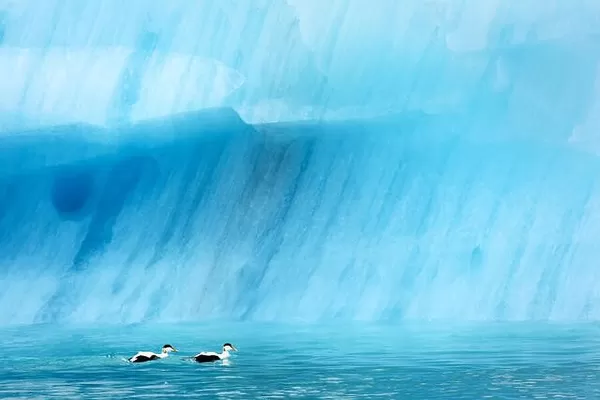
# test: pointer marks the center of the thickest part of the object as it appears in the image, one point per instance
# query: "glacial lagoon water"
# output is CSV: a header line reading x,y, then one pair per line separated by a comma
x,y
301,361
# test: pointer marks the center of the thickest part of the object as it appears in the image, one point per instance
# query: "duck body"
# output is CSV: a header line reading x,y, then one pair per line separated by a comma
x,y
211,356
208,356
145,356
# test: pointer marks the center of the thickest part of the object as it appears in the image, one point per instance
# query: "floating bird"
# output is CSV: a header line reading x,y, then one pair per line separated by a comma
x,y
210,356
143,356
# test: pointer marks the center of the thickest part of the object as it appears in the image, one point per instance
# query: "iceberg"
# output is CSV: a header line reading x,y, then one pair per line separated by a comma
x,y
299,160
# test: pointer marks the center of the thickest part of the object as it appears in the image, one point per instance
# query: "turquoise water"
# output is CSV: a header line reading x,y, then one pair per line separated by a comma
x,y
497,361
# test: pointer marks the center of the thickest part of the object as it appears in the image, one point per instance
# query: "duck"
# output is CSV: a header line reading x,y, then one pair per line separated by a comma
x,y
144,356
210,356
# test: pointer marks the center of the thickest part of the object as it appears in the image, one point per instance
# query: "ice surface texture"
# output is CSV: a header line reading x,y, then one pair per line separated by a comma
x,y
272,60
205,216
447,167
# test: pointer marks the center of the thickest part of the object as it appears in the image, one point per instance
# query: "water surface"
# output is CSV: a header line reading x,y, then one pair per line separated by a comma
x,y
499,361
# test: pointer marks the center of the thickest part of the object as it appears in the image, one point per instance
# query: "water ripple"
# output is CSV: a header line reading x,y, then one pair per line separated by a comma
x,y
285,362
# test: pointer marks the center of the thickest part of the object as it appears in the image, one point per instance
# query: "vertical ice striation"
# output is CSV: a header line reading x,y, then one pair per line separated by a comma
x,y
275,60
446,166
204,216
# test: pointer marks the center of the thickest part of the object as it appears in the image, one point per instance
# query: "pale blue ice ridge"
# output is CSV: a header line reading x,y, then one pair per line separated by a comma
x,y
446,167
273,60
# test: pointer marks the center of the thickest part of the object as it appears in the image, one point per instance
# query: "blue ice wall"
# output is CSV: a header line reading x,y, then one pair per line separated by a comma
x,y
204,216
446,167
